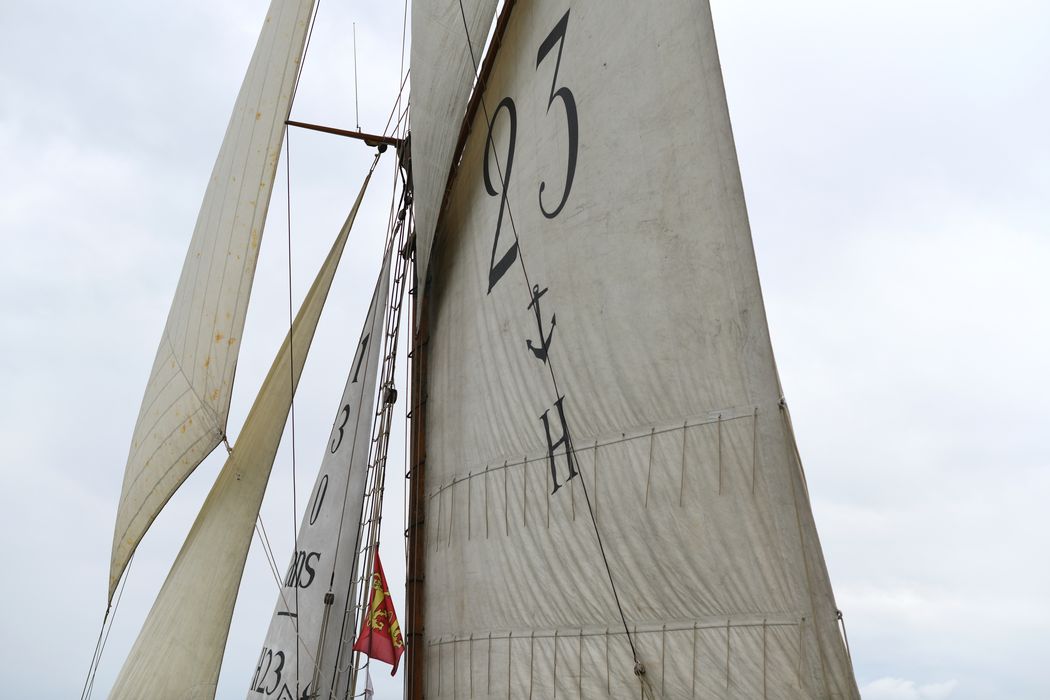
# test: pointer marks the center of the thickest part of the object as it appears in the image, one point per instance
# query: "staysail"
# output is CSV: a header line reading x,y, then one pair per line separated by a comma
x,y
187,399
598,363
180,647
318,586
442,74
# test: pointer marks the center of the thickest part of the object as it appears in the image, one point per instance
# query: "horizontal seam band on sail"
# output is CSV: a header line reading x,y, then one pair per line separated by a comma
x,y
189,379
182,424
709,624
147,407
138,511
635,433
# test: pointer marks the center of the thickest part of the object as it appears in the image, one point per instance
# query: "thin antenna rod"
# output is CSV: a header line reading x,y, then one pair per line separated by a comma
x,y
357,113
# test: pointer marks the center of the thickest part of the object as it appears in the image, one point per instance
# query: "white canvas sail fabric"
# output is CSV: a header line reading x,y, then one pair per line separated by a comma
x,y
442,75
322,569
633,284
179,650
187,399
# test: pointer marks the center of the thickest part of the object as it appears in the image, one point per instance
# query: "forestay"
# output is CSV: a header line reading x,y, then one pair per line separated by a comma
x,y
442,76
598,346
187,399
317,595
180,647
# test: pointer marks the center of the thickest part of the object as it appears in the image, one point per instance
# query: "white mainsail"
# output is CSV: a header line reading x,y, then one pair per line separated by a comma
x,y
442,75
187,399
179,650
599,361
318,586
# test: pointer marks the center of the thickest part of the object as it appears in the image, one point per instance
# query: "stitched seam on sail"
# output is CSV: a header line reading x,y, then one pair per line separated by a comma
x,y
146,408
644,433
236,202
168,471
713,622
164,442
224,198
259,206
189,382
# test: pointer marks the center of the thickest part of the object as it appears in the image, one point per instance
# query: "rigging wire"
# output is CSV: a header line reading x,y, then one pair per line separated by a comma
x,y
372,516
409,258
96,654
291,380
394,108
639,669
353,444
291,329
404,34
401,114
260,530
291,336
271,560
268,550
103,635
401,71
411,316
105,639
387,249
306,50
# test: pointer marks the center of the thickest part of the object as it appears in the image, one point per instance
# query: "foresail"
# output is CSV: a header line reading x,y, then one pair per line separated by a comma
x,y
180,647
187,399
443,65
318,590
598,362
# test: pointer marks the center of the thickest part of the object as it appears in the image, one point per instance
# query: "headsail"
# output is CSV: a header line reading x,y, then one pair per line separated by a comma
x,y
323,568
442,74
187,399
180,647
599,363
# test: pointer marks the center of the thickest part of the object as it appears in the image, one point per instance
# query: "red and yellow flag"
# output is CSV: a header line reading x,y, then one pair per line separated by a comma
x,y
380,636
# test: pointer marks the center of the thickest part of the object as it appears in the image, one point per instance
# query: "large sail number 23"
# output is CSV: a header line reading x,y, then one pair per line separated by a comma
x,y
555,38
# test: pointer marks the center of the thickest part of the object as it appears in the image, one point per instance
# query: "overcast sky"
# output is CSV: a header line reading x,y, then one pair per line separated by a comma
x,y
896,162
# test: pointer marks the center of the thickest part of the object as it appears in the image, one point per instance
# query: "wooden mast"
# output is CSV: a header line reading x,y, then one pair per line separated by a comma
x,y
415,628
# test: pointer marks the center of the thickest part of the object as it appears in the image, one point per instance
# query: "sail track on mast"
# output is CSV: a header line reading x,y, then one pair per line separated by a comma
x,y
179,650
186,402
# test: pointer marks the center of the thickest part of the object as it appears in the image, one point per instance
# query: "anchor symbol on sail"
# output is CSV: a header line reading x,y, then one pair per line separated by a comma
x,y
541,351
